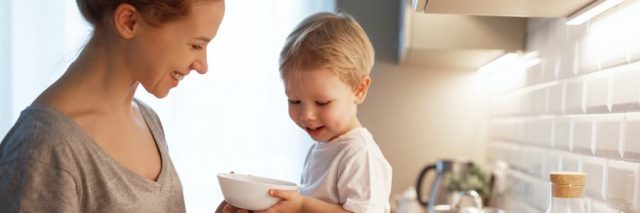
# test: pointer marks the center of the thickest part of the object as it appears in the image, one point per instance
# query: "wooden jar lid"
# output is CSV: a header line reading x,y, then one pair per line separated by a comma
x,y
568,178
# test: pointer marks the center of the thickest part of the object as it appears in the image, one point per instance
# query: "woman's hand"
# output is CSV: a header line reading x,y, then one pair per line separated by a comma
x,y
228,208
291,202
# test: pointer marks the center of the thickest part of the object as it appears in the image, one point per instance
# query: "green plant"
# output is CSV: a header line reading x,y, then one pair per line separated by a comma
x,y
472,179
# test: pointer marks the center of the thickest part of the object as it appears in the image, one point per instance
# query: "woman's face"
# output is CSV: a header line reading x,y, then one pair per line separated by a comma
x,y
161,56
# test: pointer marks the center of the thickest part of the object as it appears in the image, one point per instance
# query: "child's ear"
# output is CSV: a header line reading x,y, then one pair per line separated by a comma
x,y
361,90
125,20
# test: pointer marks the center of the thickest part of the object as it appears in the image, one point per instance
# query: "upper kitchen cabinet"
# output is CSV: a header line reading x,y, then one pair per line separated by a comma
x,y
462,34
511,8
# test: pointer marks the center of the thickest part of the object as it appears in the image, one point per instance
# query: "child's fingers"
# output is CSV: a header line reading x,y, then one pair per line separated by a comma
x,y
283,194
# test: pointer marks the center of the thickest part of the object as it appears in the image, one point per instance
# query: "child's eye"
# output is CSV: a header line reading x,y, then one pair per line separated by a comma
x,y
196,47
293,101
323,103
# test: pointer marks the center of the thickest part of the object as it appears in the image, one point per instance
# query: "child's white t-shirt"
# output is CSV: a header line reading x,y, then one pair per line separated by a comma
x,y
349,170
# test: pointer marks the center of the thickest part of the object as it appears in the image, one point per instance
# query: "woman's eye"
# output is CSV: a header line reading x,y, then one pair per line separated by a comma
x,y
294,101
196,47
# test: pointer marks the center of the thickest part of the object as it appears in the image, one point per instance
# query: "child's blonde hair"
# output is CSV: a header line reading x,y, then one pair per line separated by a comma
x,y
330,40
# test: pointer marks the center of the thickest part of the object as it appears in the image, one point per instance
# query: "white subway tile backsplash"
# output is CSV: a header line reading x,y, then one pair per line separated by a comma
x,y
609,135
548,66
573,97
541,194
631,11
526,104
568,60
556,99
594,167
622,184
588,58
539,101
551,163
570,162
597,95
515,156
553,66
518,130
582,136
578,110
534,74
538,131
626,89
631,147
561,62
563,130
612,51
535,166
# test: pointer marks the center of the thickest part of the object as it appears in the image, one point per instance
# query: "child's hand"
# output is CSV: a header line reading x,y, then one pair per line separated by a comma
x,y
291,201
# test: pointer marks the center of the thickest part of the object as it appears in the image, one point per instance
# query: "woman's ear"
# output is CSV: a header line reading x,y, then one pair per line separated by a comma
x,y
361,90
125,20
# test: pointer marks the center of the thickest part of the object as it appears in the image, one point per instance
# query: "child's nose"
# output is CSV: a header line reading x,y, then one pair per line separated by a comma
x,y
307,115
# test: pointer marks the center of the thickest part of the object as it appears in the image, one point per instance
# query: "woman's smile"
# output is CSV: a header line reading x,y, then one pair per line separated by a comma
x,y
177,77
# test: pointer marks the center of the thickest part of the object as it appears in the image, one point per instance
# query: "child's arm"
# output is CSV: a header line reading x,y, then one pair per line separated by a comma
x,y
312,204
292,201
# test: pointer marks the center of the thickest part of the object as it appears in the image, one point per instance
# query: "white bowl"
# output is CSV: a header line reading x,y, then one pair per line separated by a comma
x,y
251,192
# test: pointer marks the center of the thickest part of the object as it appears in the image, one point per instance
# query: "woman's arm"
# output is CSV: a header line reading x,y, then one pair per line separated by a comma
x,y
225,207
221,207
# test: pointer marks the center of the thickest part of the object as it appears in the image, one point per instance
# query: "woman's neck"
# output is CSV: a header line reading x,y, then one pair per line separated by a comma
x,y
98,81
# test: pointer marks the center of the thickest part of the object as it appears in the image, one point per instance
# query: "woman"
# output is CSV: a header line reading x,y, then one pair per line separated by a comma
x,y
85,144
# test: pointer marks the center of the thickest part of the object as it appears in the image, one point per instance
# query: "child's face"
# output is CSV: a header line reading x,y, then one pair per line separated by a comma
x,y
322,104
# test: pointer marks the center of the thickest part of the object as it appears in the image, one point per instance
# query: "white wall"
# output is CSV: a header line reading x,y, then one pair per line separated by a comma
x,y
5,59
39,39
578,110
418,116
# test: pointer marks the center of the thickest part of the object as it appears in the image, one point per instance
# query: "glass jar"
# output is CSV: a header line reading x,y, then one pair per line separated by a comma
x,y
567,192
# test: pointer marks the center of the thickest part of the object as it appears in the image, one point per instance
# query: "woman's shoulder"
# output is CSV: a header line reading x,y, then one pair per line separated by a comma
x,y
42,122
39,131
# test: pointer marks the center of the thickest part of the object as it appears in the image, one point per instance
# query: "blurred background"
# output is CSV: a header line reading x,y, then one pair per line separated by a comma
x,y
517,88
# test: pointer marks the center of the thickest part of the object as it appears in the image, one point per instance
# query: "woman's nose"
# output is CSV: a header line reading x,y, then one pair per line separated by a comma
x,y
200,65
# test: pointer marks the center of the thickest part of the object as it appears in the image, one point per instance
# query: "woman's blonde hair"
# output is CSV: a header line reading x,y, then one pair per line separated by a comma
x,y
335,41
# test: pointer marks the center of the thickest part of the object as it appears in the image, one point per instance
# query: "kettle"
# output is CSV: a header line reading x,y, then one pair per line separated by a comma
x,y
438,200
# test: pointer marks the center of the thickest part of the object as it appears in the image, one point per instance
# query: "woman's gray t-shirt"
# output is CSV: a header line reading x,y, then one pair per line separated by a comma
x,y
48,164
